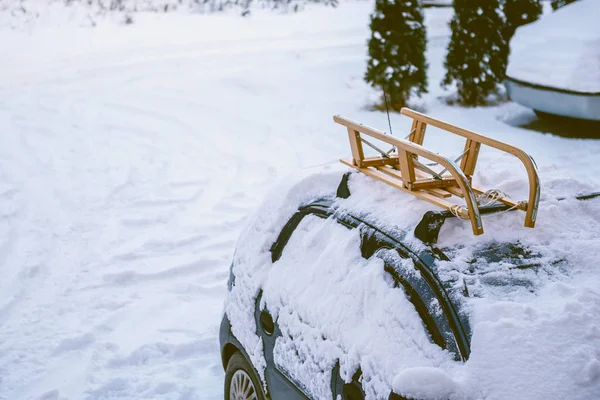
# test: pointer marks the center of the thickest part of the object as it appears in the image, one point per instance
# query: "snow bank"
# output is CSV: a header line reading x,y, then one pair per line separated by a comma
x,y
561,50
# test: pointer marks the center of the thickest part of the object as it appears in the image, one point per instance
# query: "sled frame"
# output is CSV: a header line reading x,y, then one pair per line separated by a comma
x,y
402,169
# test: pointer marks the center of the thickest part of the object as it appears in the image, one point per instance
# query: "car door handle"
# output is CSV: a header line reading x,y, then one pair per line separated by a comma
x,y
266,323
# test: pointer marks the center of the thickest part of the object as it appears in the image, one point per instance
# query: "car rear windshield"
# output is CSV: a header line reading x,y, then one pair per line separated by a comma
x,y
498,268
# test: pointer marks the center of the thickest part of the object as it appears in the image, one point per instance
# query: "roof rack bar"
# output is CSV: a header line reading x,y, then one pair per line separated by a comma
x,y
402,169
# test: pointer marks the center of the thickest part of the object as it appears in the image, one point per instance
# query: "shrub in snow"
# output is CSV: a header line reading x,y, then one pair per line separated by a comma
x,y
556,4
476,58
520,12
396,62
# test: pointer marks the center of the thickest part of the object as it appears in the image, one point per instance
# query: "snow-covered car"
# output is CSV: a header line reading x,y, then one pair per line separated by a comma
x,y
348,286
340,290
554,63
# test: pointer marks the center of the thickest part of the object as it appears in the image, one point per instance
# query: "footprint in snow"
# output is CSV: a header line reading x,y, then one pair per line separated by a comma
x,y
74,343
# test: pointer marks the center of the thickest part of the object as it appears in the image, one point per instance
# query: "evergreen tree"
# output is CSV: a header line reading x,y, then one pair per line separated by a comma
x,y
556,4
396,62
477,53
520,12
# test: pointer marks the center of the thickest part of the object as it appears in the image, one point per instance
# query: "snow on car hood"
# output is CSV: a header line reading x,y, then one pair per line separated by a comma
x,y
561,50
533,341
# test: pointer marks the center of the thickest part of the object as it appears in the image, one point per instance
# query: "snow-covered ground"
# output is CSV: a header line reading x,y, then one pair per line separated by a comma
x,y
130,158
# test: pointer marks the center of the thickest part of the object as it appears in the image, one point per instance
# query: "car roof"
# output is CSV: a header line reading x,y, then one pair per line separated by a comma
x,y
496,266
486,258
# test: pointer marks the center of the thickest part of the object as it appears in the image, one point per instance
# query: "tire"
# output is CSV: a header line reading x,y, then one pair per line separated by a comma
x,y
241,375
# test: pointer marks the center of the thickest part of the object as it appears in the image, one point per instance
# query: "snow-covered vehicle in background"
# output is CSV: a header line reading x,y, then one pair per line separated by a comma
x,y
344,287
437,3
554,63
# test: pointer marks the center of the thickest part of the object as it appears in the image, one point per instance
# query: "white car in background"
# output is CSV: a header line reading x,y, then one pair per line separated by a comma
x,y
437,3
554,63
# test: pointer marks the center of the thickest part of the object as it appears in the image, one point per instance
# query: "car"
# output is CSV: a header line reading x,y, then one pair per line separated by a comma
x,y
344,287
554,63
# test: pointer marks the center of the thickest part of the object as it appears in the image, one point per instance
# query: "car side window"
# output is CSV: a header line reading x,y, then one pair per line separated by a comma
x,y
400,267
432,309
412,293
285,234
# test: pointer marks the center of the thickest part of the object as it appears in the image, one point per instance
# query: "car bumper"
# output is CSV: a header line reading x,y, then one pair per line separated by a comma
x,y
554,101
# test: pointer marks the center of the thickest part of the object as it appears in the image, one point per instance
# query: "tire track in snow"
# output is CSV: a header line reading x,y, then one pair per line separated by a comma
x,y
140,167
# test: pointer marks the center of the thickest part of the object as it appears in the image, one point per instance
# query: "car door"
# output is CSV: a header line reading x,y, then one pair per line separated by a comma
x,y
279,384
280,348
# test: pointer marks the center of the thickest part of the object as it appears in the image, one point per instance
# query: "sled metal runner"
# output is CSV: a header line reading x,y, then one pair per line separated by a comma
x,y
402,169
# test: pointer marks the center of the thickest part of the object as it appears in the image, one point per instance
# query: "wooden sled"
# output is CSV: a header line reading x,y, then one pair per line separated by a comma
x,y
401,168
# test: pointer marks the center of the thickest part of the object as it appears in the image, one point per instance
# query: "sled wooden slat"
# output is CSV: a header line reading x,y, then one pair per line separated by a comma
x,y
403,170
407,167
379,161
433,183
439,193
433,189
355,144
382,176
419,135
468,162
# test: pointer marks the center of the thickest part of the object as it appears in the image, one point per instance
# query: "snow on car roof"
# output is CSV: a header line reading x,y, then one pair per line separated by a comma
x,y
561,50
530,257
523,336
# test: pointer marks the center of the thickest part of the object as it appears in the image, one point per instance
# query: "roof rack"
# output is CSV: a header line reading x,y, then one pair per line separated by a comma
x,y
400,167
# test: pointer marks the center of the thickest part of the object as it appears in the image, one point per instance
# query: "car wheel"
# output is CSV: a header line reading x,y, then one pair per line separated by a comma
x,y
241,381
